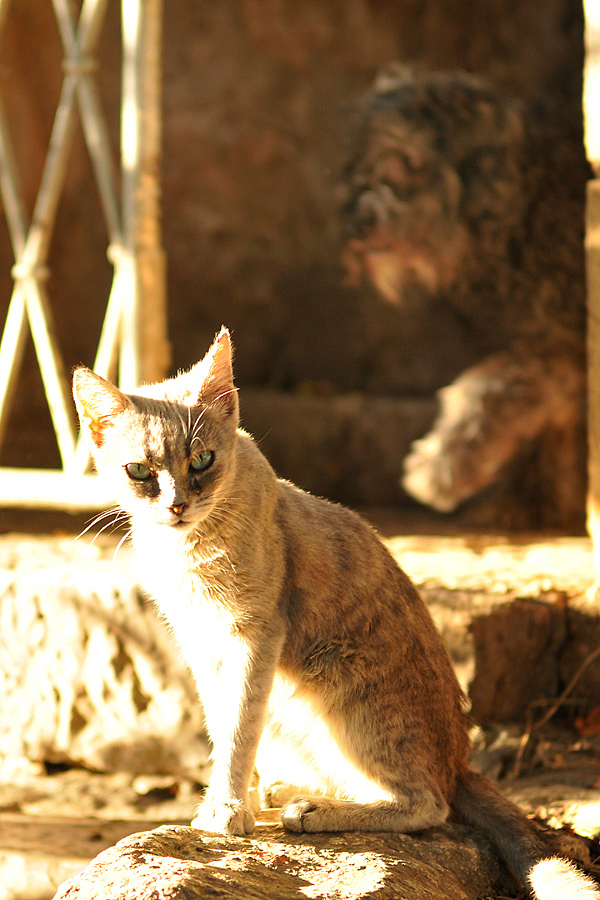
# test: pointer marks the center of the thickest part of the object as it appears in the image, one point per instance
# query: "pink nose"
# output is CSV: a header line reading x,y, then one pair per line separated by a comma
x,y
177,508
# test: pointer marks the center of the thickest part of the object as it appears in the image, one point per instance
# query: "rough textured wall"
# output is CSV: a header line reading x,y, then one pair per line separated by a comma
x,y
258,101
258,110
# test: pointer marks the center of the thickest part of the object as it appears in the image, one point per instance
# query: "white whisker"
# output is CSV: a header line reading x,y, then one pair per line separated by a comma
x,y
183,425
224,512
200,416
232,390
121,542
197,425
116,514
115,523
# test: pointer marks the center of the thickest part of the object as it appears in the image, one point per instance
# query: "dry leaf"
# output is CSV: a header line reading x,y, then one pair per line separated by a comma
x,y
589,725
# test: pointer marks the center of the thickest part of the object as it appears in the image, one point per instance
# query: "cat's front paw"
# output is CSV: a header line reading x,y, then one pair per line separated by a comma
x,y
232,817
310,814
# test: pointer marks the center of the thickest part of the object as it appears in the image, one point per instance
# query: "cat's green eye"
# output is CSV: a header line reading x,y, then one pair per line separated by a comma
x,y
202,461
138,471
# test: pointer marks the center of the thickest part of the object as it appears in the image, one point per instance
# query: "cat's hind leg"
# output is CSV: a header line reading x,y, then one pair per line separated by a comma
x,y
299,756
410,811
304,769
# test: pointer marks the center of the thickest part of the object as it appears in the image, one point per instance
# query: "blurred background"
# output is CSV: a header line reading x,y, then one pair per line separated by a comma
x,y
274,194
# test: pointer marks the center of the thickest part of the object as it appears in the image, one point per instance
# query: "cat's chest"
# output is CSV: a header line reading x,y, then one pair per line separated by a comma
x,y
168,565
200,625
196,593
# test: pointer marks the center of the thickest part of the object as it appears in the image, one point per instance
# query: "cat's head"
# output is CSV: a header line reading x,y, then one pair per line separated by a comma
x,y
168,450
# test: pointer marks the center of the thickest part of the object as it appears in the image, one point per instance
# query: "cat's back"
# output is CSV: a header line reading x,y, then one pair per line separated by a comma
x,y
335,559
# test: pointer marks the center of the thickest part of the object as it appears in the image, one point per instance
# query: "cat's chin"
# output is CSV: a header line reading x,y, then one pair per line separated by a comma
x,y
182,525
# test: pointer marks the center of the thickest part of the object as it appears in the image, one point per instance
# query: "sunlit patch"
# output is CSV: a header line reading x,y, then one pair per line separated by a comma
x,y
299,748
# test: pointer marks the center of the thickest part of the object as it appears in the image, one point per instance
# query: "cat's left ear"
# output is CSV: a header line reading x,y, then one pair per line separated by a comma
x,y
211,380
98,402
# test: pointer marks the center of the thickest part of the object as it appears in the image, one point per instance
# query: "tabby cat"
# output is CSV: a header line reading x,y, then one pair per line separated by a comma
x,y
315,657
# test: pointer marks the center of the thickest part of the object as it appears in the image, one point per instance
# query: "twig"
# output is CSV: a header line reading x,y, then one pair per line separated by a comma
x,y
531,727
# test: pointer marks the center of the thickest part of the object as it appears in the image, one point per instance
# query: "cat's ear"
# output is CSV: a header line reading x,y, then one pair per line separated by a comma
x,y
210,381
98,402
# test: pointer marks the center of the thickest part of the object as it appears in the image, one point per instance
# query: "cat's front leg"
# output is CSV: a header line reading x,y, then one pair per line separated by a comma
x,y
235,698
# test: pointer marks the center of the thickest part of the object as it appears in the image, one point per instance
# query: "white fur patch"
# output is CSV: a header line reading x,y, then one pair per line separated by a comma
x,y
557,879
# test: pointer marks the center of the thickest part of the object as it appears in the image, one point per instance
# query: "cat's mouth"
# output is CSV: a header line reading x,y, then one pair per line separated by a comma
x,y
186,520
183,523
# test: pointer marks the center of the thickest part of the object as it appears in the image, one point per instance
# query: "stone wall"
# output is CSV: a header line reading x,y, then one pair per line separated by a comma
x,y
258,110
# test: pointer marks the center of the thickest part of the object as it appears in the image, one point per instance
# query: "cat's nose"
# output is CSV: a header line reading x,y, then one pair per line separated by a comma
x,y
178,508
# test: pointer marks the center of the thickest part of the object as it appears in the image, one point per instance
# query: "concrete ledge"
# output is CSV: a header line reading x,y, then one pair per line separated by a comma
x,y
348,448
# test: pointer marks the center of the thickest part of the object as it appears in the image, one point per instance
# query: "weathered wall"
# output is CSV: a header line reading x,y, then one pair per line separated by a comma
x,y
258,100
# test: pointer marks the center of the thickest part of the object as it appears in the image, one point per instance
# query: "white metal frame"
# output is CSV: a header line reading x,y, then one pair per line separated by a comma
x,y
134,248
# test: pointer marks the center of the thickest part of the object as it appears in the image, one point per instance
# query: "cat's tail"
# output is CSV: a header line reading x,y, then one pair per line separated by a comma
x,y
518,842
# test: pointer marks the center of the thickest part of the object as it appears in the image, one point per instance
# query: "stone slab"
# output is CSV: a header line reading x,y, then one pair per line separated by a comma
x,y
185,864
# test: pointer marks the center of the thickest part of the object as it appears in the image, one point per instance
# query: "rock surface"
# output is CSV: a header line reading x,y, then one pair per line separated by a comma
x,y
185,864
38,853
88,673
52,826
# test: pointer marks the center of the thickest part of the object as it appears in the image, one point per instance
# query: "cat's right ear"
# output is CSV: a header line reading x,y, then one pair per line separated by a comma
x,y
98,402
210,381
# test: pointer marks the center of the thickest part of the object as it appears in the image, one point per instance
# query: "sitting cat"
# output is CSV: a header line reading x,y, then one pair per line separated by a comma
x,y
312,650
477,201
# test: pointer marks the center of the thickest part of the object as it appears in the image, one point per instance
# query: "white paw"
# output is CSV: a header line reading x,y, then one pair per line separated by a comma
x,y
232,817
310,815
279,794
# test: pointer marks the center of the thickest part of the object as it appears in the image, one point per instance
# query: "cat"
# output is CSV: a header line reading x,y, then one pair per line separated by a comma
x,y
312,650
